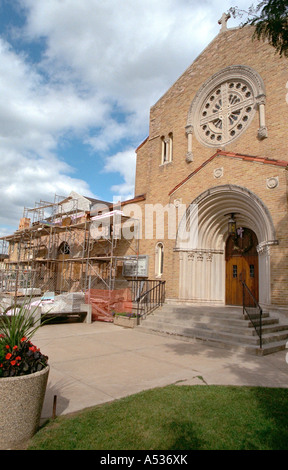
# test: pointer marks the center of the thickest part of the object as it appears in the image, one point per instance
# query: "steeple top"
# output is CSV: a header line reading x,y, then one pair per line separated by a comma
x,y
223,21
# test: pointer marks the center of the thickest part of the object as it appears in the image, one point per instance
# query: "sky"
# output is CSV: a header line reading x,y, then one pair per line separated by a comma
x,y
77,80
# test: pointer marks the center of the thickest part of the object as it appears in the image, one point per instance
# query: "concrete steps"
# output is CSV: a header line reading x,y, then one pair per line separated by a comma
x,y
224,327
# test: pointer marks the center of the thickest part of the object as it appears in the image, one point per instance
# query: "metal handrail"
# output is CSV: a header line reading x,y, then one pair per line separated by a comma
x,y
255,307
151,298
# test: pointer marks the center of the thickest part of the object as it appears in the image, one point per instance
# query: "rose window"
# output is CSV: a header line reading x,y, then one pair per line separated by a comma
x,y
225,112
224,107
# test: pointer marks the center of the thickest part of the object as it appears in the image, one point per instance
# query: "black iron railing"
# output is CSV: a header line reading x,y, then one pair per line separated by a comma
x,y
253,310
147,295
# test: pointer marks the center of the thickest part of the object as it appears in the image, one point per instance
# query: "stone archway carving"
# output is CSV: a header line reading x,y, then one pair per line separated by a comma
x,y
202,267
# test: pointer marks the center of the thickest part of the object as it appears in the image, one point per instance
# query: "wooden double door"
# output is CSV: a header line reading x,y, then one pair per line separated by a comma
x,y
241,264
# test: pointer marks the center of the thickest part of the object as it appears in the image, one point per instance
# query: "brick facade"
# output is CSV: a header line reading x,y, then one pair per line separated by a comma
x,y
184,181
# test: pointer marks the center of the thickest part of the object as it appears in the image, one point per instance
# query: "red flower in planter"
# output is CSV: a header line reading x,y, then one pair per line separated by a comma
x,y
19,356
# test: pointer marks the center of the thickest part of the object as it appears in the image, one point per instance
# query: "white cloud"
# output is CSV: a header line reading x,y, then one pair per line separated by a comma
x,y
127,52
123,163
32,117
31,108
32,180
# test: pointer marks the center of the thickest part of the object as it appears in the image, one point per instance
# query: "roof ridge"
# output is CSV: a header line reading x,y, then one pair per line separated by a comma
x,y
225,153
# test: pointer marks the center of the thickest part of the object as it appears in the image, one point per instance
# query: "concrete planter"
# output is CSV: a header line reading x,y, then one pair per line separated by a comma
x,y
20,407
127,322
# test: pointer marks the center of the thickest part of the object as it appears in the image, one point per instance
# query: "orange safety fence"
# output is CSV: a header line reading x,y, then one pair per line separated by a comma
x,y
105,303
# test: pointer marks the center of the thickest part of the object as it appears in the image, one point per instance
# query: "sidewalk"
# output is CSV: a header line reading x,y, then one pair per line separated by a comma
x,y
95,363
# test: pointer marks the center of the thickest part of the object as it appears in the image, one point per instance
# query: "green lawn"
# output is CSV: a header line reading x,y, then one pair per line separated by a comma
x,y
176,418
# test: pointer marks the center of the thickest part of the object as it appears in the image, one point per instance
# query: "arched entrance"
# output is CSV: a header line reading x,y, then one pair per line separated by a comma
x,y
202,267
241,265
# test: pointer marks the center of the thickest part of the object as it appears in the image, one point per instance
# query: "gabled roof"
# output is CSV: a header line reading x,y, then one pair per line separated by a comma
x,y
141,145
222,153
96,201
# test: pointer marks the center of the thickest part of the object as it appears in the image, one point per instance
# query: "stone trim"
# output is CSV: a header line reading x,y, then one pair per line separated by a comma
x,y
222,153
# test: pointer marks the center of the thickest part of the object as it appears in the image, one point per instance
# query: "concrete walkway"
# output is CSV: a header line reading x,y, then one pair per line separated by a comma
x,y
100,362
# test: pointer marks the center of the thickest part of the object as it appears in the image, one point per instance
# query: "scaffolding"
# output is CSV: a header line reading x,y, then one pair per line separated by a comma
x,y
65,249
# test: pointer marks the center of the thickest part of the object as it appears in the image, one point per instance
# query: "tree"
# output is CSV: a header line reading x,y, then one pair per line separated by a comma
x,y
270,19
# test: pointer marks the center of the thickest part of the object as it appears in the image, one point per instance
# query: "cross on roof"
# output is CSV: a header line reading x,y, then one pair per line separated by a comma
x,y
223,21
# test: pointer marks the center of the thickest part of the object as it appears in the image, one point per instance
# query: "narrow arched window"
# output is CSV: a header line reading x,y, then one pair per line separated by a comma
x,y
167,149
64,249
159,259
170,136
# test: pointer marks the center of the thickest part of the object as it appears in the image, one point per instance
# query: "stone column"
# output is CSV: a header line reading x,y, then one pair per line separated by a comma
x,y
189,154
262,131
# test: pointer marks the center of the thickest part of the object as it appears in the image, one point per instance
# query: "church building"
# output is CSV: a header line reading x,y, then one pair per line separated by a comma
x,y
218,144
207,228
